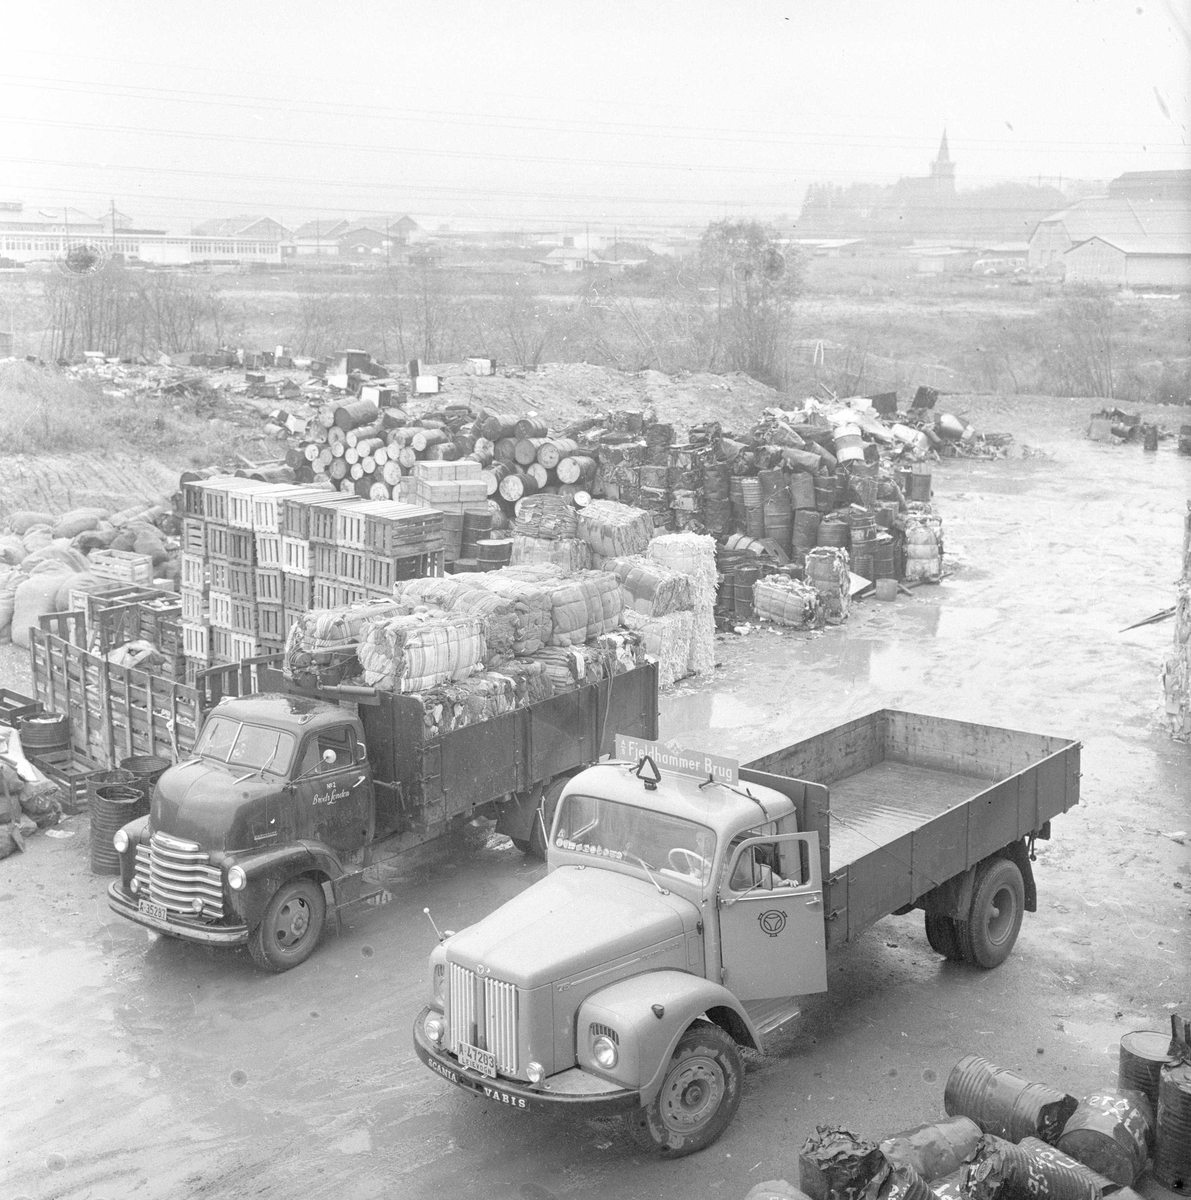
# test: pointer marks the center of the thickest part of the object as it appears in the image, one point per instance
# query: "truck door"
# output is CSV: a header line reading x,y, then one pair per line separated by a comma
x,y
333,790
771,918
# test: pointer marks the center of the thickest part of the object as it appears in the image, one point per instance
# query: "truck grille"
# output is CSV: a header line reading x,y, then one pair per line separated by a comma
x,y
176,873
484,1013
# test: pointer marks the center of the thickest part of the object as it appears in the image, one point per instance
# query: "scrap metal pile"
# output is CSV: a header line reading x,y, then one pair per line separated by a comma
x,y
1009,1138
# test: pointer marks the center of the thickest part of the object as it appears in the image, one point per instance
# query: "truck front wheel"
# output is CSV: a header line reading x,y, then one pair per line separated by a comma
x,y
998,903
699,1096
291,926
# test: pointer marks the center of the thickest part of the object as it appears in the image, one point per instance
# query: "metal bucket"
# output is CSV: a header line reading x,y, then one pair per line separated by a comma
x,y
1143,1054
147,769
1005,1103
113,806
1110,1132
1172,1159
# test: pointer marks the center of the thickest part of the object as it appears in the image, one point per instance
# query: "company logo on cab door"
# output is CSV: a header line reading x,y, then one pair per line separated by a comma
x,y
331,796
772,921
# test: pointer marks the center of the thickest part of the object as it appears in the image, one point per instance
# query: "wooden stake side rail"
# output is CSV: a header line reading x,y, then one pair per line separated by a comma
x,y
115,712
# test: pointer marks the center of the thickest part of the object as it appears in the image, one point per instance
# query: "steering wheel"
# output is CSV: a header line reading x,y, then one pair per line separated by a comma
x,y
686,862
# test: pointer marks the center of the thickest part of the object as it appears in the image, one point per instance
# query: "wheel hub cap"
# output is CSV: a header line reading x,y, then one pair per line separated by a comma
x,y
692,1094
292,923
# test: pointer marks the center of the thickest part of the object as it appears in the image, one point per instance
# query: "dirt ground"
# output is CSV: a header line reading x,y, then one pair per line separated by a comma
x,y
146,1068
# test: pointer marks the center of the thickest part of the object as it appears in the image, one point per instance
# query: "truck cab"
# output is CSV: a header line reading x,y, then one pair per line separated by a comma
x,y
675,912
276,801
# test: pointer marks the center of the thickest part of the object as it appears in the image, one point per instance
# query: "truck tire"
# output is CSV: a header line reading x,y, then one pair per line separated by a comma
x,y
291,926
943,936
699,1096
994,920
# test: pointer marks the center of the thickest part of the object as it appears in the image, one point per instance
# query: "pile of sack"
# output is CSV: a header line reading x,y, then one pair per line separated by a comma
x,y
28,800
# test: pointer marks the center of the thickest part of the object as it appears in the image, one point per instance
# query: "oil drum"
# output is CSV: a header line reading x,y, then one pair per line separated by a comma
x,y
1172,1158
1110,1132
1143,1054
1005,1103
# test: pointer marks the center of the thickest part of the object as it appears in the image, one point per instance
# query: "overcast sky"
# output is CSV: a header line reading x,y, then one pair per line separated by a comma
x,y
528,113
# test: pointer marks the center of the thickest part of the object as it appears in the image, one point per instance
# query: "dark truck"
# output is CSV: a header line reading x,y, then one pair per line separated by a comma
x,y
689,902
288,800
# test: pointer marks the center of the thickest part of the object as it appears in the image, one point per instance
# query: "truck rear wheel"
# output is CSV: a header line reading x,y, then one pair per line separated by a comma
x,y
994,921
291,926
699,1096
943,936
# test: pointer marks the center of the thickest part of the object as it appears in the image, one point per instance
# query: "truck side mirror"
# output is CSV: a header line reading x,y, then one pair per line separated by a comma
x,y
329,757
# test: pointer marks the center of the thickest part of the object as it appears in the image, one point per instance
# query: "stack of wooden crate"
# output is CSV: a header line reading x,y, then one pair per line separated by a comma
x,y
453,488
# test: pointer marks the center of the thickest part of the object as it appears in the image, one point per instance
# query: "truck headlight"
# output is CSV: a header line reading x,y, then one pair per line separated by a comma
x,y
120,841
435,1028
236,878
535,1072
603,1050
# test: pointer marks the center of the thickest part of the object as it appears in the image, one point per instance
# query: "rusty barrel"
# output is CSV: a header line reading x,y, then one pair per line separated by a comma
x,y
825,493
1110,1132
801,487
113,806
1172,1158
1143,1054
1034,1169
834,1164
805,530
146,770
744,576
1005,1103
934,1150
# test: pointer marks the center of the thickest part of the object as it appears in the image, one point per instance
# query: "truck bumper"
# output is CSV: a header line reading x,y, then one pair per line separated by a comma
x,y
119,901
558,1091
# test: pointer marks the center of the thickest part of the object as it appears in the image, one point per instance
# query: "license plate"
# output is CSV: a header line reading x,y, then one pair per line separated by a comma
x,y
483,1061
153,910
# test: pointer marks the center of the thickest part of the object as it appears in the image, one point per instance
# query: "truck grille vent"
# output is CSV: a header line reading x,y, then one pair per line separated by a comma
x,y
484,1013
598,1030
176,873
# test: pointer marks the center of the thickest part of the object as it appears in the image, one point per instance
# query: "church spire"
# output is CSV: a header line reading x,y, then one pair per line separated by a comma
x,y
944,154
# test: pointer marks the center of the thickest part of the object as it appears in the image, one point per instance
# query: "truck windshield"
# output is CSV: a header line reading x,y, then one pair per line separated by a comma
x,y
254,747
625,833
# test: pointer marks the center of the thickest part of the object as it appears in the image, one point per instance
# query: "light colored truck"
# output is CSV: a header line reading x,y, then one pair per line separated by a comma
x,y
688,903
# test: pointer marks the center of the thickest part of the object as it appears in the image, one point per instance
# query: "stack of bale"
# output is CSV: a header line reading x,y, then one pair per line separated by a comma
x,y
693,555
658,606
785,601
547,531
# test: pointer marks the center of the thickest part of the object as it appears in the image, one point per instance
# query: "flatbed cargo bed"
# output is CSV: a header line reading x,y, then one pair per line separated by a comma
x,y
903,802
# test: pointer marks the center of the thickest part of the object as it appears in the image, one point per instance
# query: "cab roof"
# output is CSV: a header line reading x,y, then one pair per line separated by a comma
x,y
724,809
300,713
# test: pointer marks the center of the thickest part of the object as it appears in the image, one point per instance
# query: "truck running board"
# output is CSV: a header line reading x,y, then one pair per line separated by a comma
x,y
770,1015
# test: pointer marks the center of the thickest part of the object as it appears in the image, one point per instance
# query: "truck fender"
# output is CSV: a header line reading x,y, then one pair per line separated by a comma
x,y
631,1008
1016,852
269,869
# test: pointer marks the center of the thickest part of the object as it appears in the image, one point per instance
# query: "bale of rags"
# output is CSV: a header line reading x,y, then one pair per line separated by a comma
x,y
498,616
623,650
547,515
411,653
530,679
564,665
570,554
666,639
614,529
650,588
451,706
827,572
530,608
785,601
322,642
693,554
584,607
432,592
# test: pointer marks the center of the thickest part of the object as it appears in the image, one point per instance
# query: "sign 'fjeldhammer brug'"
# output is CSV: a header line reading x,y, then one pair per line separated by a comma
x,y
681,762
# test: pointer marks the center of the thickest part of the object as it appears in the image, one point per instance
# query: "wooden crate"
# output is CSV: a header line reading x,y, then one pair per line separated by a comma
x,y
194,605
271,621
194,571
70,770
215,495
216,542
241,547
325,592
290,617
348,593
241,582
295,556
220,604
243,616
269,585
221,645
268,549
296,591
220,574
121,566
324,559
352,567
271,646
194,535
194,668
323,516
244,645
241,510
14,706
403,529
297,511
196,640
115,712
381,572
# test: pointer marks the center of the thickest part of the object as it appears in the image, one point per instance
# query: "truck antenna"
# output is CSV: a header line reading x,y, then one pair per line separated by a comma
x,y
432,924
